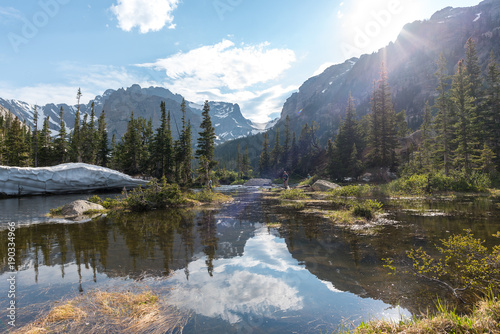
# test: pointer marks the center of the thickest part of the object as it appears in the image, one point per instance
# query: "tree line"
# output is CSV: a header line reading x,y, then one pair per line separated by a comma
x,y
459,135
140,151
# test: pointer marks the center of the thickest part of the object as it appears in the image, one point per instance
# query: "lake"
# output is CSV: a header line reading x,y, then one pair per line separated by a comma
x,y
251,266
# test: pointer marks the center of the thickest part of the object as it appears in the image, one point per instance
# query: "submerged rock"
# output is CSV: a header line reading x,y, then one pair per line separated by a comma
x,y
78,208
65,178
323,185
259,183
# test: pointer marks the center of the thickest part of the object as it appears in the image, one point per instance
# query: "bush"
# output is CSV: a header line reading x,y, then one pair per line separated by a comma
x,y
154,197
464,265
352,191
367,209
293,194
95,199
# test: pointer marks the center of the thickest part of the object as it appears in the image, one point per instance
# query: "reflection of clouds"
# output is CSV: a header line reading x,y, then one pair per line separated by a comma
x,y
241,292
330,286
236,287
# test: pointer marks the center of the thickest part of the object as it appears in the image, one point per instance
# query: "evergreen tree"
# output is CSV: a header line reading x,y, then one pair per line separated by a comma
x,y
277,151
265,158
35,138
245,164
464,109
206,143
127,151
286,145
239,161
347,138
492,108
294,152
17,151
383,139
426,148
45,155
443,120
75,142
163,145
102,144
184,152
473,69
61,143
401,124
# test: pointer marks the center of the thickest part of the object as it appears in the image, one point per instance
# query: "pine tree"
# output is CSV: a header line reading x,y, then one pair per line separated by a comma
x,y
206,143
473,70
401,124
265,158
464,109
286,145
239,161
35,138
443,120
245,164
45,156
183,150
163,145
492,108
102,144
347,138
383,139
426,148
75,142
294,152
277,151
61,143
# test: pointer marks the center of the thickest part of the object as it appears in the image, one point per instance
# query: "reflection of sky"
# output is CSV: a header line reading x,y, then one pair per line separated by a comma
x,y
267,282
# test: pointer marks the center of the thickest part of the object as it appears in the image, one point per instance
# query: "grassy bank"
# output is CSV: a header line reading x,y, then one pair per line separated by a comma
x,y
109,312
155,196
484,318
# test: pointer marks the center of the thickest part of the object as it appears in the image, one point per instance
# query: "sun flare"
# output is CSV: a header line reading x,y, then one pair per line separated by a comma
x,y
368,25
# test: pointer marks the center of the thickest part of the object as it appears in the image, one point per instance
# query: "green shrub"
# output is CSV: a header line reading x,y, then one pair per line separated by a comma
x,y
367,209
95,199
293,194
154,197
352,191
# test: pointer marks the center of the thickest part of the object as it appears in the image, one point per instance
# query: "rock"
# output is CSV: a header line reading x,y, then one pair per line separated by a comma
x,y
259,183
322,185
78,208
65,178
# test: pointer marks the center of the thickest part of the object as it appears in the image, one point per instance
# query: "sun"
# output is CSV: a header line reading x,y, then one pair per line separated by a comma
x,y
368,25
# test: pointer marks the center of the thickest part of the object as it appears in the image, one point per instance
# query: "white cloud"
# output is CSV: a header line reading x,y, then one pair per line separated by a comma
x,y
236,288
147,15
93,80
225,72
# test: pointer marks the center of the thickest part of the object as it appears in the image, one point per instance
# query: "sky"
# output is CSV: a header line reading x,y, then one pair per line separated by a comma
x,y
254,53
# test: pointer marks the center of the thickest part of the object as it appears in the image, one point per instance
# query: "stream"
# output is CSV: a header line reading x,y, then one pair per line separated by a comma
x,y
251,266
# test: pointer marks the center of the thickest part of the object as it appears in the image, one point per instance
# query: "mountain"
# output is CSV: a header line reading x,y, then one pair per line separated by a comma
x,y
411,65
410,62
118,104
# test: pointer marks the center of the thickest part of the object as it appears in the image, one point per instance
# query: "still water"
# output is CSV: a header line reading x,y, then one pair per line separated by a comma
x,y
251,266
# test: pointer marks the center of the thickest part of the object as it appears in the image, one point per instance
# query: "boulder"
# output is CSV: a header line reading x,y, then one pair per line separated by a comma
x,y
259,183
322,185
78,208
65,178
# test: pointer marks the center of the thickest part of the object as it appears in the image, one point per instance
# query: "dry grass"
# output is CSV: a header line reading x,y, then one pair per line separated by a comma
x,y
110,312
485,318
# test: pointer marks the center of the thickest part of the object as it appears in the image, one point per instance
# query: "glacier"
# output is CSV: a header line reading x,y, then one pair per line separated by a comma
x,y
65,178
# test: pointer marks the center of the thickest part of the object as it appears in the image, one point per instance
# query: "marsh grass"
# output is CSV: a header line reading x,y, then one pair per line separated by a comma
x,y
207,196
293,194
110,312
484,318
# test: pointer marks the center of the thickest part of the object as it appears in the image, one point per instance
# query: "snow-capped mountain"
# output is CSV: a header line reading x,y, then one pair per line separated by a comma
x,y
118,104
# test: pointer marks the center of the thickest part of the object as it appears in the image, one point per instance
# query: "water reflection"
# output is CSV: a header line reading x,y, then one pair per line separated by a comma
x,y
230,268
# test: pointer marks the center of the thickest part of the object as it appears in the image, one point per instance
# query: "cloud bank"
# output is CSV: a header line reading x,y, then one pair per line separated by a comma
x,y
151,15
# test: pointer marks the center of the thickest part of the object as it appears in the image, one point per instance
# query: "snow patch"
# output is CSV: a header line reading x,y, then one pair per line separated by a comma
x,y
478,17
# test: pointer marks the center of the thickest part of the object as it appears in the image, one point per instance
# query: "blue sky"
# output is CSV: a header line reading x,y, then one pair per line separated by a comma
x,y
255,53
